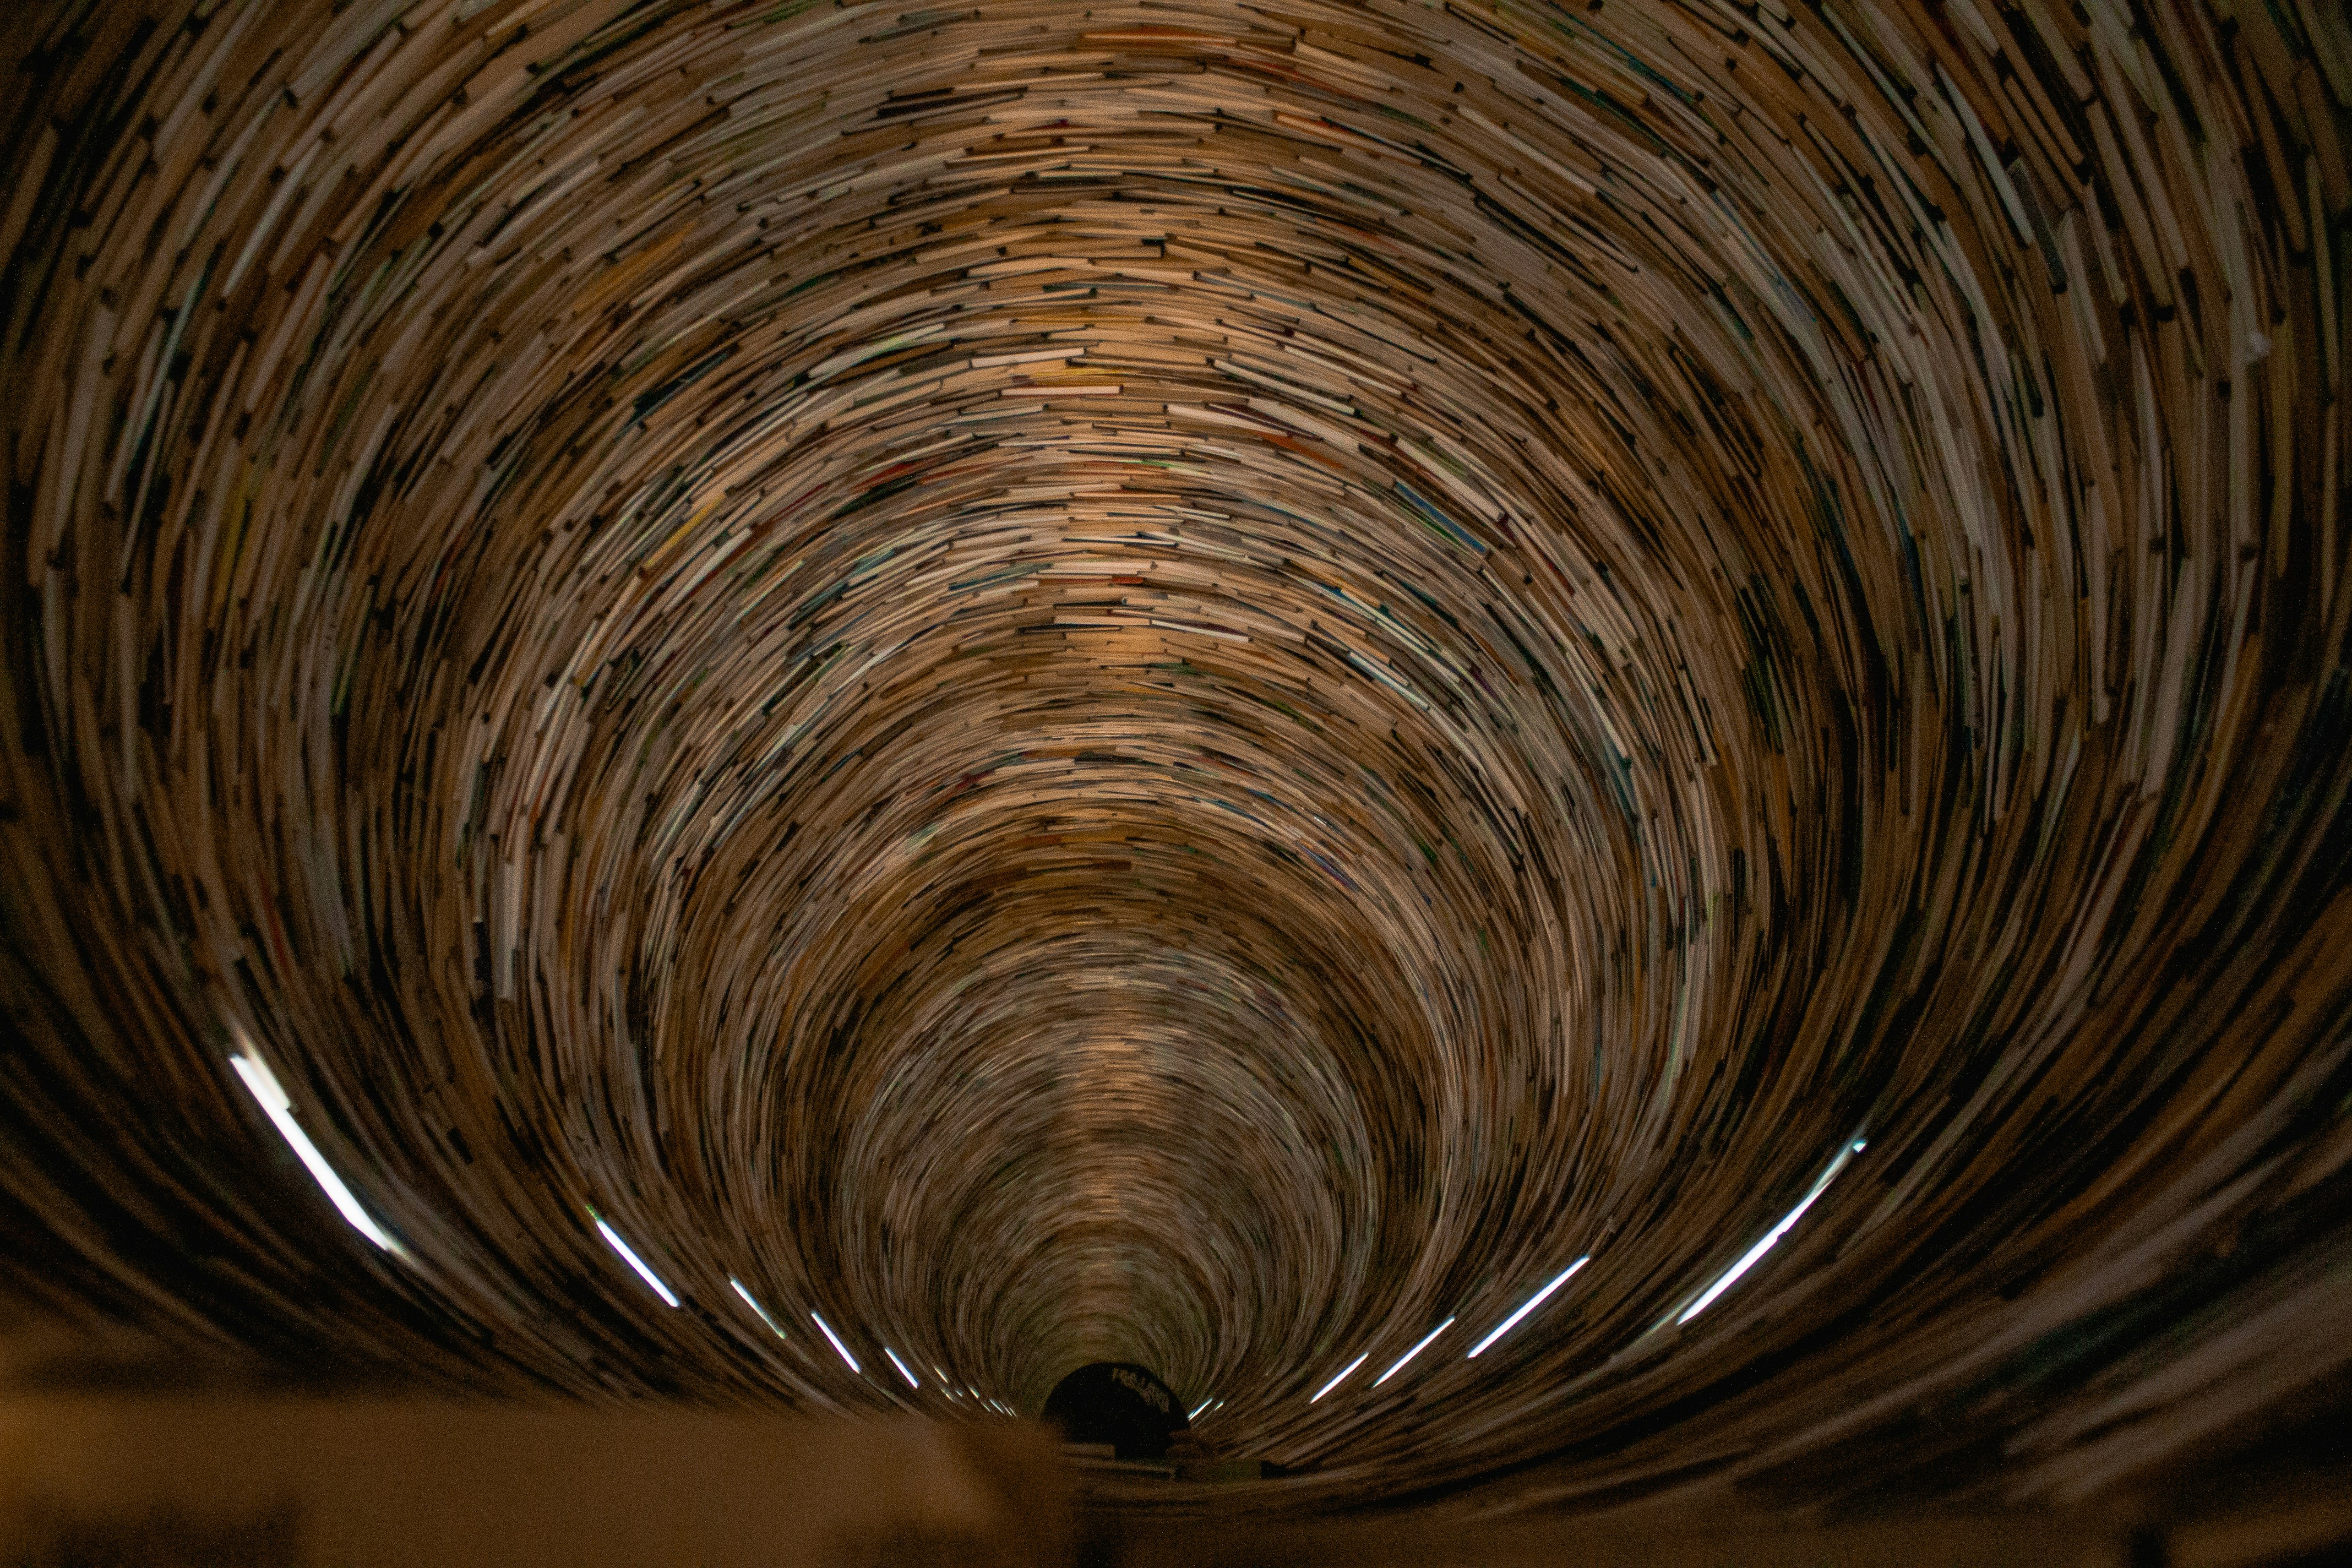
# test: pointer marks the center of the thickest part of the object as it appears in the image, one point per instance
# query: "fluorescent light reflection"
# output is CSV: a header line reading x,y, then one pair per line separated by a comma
x,y
613,1239
1748,1259
837,1345
902,1366
757,1308
1341,1378
1194,1415
1416,1350
1533,1301
280,1107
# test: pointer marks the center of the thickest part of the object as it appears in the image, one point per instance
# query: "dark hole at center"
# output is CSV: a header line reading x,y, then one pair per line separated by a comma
x,y
1117,1403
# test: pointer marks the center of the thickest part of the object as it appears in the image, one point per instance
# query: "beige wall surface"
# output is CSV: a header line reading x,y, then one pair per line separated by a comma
x,y
358,1483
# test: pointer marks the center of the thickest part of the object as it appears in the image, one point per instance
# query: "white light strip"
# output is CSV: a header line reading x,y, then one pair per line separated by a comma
x,y
280,1109
1195,1415
902,1366
1532,1303
1341,1378
755,1305
613,1239
836,1342
1413,1352
1748,1259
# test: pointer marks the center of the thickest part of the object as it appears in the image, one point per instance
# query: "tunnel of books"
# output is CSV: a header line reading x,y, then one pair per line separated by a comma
x,y
1603,743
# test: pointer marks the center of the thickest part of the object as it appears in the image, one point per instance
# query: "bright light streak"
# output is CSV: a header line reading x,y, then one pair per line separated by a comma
x,y
836,1342
280,1107
1195,1415
1413,1352
613,1239
1532,1303
1748,1259
757,1308
1341,1378
902,1366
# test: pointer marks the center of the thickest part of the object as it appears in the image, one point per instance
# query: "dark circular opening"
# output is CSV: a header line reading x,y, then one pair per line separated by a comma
x,y
1117,1403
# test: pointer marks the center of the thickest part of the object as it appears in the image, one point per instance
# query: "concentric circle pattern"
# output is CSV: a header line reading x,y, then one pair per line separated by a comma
x,y
1204,684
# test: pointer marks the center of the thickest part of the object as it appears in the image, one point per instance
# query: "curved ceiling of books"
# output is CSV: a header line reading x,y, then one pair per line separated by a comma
x,y
1207,683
